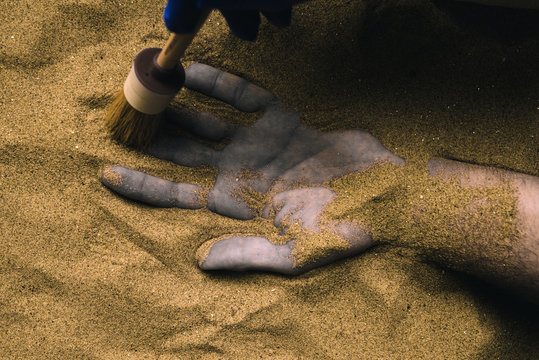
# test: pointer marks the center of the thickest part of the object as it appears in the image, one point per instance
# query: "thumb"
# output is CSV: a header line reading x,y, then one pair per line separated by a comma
x,y
243,253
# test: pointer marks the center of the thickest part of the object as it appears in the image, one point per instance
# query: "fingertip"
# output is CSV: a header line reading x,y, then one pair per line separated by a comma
x,y
202,254
110,176
357,237
224,203
194,66
399,161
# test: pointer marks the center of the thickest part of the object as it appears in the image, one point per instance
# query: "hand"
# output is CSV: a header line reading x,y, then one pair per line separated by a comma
x,y
243,17
275,155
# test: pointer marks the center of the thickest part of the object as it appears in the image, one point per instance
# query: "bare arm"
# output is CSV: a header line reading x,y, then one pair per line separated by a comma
x,y
474,219
501,248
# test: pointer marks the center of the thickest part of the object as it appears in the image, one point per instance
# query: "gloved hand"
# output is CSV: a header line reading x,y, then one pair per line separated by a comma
x,y
242,16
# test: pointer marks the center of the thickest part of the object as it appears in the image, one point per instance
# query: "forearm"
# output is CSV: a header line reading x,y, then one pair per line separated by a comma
x,y
498,231
469,218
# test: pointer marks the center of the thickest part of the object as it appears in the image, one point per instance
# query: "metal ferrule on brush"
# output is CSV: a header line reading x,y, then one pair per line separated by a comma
x,y
149,88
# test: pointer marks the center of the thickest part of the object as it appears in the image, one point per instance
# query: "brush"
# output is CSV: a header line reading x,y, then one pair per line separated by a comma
x,y
136,112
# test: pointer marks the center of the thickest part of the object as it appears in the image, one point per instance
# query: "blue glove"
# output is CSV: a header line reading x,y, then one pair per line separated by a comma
x,y
242,16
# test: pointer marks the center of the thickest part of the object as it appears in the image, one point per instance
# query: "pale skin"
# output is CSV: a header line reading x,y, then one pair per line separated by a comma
x,y
281,158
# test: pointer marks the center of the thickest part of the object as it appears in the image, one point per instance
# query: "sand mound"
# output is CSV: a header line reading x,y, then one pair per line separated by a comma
x,y
86,274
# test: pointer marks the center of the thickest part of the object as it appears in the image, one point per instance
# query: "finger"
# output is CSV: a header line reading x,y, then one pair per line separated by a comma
x,y
252,253
301,205
358,239
229,88
226,197
152,190
243,253
343,153
201,124
182,151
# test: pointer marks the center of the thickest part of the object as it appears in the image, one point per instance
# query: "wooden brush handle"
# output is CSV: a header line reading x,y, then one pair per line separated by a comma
x,y
177,44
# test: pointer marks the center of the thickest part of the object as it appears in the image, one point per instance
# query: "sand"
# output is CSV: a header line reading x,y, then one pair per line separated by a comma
x,y
85,274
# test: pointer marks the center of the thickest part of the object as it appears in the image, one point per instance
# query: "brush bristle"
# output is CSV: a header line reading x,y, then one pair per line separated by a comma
x,y
129,126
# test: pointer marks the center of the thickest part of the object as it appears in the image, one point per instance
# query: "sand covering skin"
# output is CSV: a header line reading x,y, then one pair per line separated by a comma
x,y
86,274
439,217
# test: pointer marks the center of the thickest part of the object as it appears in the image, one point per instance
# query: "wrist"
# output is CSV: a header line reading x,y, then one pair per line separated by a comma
x,y
469,218
374,199
408,206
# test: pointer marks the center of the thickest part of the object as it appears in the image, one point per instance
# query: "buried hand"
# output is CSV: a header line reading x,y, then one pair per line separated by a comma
x,y
276,157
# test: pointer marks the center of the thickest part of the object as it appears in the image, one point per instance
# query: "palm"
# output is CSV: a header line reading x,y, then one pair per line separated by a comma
x,y
277,152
